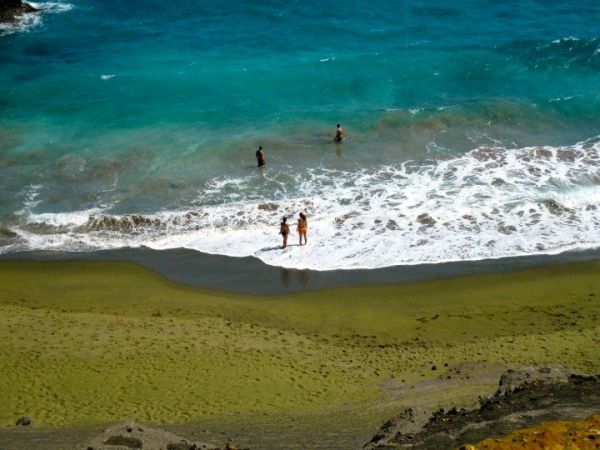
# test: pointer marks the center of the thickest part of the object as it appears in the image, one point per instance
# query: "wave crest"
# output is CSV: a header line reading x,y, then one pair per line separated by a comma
x,y
566,52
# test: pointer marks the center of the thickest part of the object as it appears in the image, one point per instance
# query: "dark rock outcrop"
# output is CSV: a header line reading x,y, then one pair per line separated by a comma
x,y
10,10
132,436
523,399
125,441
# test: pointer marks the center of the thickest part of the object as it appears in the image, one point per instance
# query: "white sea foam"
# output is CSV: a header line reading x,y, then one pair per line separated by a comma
x,y
566,39
561,99
489,203
107,77
30,21
66,219
52,7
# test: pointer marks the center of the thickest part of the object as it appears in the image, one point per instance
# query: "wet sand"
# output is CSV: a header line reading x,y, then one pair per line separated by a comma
x,y
87,343
251,276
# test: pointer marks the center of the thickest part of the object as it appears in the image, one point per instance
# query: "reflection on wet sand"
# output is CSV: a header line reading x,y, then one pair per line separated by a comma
x,y
288,276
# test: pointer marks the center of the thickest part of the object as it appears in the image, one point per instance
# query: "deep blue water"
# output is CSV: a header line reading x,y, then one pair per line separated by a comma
x,y
140,107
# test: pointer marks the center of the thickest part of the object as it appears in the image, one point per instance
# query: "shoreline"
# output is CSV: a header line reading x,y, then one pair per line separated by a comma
x,y
249,275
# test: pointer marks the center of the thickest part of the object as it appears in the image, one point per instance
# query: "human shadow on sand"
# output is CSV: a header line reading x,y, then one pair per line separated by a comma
x,y
278,247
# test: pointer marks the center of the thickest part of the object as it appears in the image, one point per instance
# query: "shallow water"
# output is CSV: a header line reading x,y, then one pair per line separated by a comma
x,y
471,129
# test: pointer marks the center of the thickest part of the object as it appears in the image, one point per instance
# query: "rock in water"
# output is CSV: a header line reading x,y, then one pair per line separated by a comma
x,y
426,220
10,4
10,10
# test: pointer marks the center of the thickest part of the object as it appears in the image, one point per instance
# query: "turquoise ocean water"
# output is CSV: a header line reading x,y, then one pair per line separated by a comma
x,y
472,128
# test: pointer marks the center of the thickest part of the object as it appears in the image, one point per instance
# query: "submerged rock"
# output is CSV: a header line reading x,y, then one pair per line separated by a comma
x,y
426,220
392,225
268,206
7,232
555,208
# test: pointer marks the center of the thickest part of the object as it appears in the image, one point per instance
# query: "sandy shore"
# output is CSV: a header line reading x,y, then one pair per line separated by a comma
x,y
251,276
85,343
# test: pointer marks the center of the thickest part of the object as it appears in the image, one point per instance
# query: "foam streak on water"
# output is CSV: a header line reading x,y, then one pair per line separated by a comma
x,y
487,203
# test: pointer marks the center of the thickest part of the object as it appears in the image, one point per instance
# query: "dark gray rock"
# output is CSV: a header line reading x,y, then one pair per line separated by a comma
x,y
524,398
182,446
132,436
426,220
126,441
25,421
10,10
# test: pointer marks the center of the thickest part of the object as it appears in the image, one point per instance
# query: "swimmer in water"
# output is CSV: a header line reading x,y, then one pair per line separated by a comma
x,y
302,228
284,231
260,157
339,134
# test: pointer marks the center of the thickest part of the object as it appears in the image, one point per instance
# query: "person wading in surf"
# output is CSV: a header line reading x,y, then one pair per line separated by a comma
x,y
339,134
284,231
260,157
302,228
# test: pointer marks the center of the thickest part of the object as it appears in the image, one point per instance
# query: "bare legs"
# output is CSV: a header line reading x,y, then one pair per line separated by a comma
x,y
285,236
300,235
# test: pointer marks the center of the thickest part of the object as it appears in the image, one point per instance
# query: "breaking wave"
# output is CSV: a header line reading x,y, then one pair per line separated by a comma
x,y
491,202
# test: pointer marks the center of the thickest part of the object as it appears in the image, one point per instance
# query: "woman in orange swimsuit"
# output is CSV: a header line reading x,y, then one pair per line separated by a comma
x,y
302,227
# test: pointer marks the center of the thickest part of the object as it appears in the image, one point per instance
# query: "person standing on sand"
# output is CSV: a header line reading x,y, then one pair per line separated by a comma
x,y
284,231
339,134
302,228
260,157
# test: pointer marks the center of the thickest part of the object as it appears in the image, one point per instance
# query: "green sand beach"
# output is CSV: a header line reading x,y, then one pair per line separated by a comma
x,y
84,344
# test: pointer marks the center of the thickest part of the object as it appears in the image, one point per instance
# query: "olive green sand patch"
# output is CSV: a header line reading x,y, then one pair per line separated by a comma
x,y
94,342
